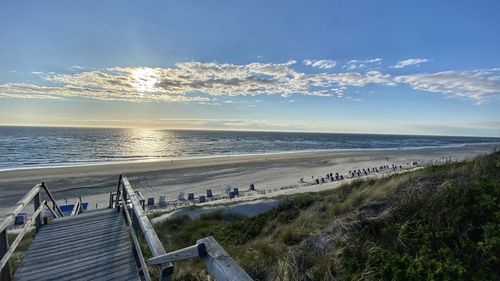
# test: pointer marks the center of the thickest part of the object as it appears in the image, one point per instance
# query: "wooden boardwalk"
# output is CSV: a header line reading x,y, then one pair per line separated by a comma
x,y
91,246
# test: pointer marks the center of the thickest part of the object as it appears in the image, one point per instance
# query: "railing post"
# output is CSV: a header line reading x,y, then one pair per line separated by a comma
x,y
6,274
110,199
38,219
165,273
118,194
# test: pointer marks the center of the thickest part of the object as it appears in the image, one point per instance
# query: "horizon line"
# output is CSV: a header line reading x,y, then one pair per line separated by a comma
x,y
242,130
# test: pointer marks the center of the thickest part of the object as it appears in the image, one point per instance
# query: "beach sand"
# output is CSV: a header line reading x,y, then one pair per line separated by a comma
x,y
268,172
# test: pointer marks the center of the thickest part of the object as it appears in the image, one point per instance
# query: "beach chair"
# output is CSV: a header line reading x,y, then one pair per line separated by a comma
x,y
20,219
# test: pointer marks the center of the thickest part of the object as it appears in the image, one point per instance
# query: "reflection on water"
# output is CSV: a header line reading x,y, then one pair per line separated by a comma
x,y
36,146
146,143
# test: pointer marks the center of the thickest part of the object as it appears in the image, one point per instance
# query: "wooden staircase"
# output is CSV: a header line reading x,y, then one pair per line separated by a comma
x,y
91,246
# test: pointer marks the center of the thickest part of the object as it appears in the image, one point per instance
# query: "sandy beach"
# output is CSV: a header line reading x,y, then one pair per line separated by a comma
x,y
267,172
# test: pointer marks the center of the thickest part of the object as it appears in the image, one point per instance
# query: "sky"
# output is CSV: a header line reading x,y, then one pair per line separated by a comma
x,y
396,67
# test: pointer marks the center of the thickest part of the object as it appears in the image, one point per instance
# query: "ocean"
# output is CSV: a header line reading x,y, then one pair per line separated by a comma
x,y
33,147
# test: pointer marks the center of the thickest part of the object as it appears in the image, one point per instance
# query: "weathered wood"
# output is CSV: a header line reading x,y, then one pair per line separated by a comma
x,y
5,257
150,236
54,203
6,273
136,244
111,201
38,217
141,199
198,250
154,243
92,246
220,264
51,210
77,207
20,205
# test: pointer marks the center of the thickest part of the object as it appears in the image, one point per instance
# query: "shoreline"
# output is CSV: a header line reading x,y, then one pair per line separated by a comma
x,y
169,178
160,161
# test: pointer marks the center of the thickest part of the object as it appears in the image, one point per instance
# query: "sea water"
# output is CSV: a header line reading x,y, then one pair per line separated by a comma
x,y
31,147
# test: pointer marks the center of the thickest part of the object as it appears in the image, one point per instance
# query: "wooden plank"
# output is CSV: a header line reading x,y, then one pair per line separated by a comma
x,y
51,210
150,236
87,226
83,216
38,217
102,234
118,268
154,243
55,234
194,251
136,245
76,208
94,247
63,250
67,269
78,256
6,273
87,222
52,199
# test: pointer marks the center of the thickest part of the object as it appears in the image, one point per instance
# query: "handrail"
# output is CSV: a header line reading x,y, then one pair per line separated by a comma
x,y
54,204
77,207
20,205
139,217
135,241
12,248
216,259
32,195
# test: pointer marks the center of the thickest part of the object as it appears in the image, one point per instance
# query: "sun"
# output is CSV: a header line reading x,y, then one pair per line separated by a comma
x,y
144,79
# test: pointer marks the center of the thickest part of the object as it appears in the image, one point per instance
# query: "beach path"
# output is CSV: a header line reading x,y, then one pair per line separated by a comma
x,y
91,246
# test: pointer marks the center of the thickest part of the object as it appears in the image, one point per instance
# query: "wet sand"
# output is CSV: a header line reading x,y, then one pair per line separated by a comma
x,y
268,172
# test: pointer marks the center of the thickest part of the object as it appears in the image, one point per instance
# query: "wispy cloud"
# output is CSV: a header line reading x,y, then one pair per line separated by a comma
x,y
202,83
354,64
193,81
408,62
478,85
323,64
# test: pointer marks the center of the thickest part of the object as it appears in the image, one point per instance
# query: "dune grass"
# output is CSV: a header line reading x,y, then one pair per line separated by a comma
x,y
437,223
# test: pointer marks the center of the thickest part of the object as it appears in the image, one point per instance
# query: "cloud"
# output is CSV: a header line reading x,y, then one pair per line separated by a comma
x,y
478,85
202,83
30,91
455,130
408,62
354,64
323,64
191,82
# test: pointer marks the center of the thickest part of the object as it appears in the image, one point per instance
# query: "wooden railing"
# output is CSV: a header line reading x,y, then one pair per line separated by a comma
x,y
127,201
77,207
216,259
6,251
131,205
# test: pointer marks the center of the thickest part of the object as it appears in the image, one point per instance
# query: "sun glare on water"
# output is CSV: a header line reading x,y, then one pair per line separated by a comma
x,y
144,79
